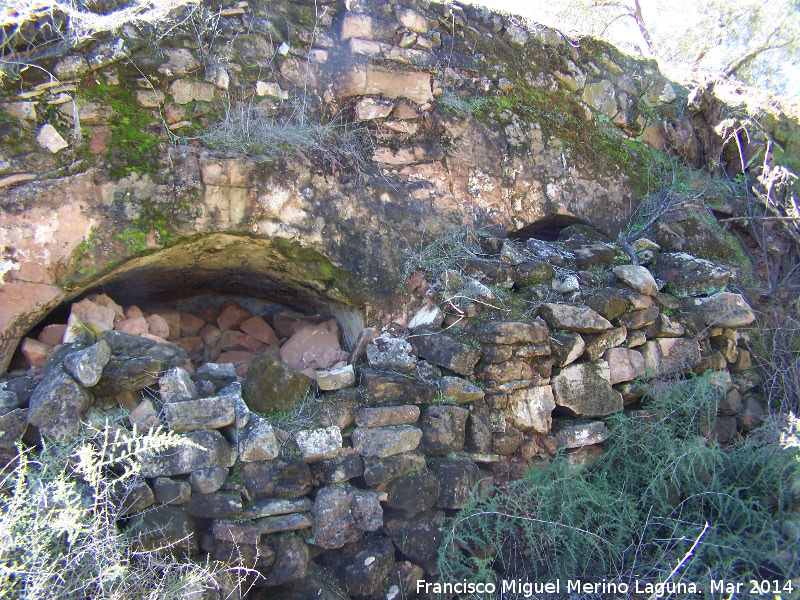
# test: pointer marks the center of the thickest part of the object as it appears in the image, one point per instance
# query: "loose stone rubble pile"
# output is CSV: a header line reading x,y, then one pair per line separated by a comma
x,y
228,334
445,405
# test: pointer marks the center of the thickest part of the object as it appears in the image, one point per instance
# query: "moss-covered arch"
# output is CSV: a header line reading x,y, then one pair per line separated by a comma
x,y
276,270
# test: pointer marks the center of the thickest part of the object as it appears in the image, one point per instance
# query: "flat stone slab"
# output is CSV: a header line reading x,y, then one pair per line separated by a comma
x,y
272,507
573,318
385,441
206,413
581,433
291,522
237,532
512,332
461,390
377,469
394,388
384,416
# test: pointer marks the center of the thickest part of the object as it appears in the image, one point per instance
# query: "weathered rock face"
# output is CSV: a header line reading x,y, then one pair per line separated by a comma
x,y
396,90
585,389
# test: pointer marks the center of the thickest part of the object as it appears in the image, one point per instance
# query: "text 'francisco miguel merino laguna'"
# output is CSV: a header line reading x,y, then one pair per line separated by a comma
x,y
527,589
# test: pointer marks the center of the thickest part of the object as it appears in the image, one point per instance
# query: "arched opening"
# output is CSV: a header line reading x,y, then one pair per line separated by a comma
x,y
202,277
547,228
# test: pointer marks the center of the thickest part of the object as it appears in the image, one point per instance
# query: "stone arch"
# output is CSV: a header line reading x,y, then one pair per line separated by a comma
x,y
274,270
547,228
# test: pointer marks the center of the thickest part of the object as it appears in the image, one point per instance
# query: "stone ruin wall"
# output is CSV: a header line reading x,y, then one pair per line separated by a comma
x,y
309,457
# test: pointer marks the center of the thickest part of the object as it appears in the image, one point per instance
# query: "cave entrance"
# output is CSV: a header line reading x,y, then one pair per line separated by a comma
x,y
546,229
201,277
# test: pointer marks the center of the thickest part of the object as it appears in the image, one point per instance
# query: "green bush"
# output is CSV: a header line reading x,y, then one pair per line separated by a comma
x,y
634,514
59,532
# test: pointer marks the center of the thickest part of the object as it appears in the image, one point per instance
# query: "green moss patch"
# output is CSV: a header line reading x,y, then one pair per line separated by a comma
x,y
130,148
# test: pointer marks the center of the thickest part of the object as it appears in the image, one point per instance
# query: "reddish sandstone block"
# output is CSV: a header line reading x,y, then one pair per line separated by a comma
x,y
35,352
231,316
190,324
259,329
52,335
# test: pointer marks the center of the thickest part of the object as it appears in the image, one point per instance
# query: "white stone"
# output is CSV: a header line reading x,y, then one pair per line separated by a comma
x,y
50,138
318,444
517,35
222,80
569,285
336,379
638,278
264,88
529,409
667,94
411,19
372,108
258,440
426,315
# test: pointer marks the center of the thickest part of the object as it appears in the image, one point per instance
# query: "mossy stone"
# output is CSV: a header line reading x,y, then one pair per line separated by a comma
x,y
272,387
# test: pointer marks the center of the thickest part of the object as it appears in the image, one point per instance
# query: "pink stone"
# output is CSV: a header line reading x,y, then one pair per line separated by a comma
x,y
209,314
173,319
239,359
135,326
624,364
192,345
95,317
274,351
232,316
210,334
103,300
158,326
190,324
258,328
35,352
236,340
52,335
314,347
144,416
155,338
133,311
